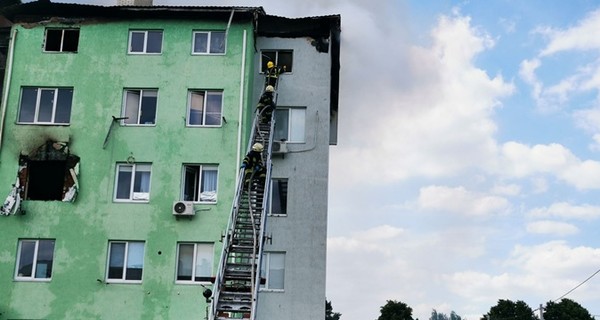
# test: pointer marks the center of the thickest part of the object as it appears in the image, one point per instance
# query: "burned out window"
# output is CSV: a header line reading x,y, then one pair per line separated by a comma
x,y
281,58
49,173
45,105
61,40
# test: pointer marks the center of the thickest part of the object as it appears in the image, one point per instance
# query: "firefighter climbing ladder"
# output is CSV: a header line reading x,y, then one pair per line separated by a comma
x,y
238,278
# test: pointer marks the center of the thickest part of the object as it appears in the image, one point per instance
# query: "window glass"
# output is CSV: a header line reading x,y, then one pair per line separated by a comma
x,y
35,259
45,105
26,259
205,108
135,261
278,197
199,183
154,42
124,181
185,262
297,123
273,270
217,42
140,106
200,42
137,41
28,104
281,124
290,125
126,261
195,262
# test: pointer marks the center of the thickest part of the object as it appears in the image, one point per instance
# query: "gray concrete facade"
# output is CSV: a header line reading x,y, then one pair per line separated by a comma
x,y
302,233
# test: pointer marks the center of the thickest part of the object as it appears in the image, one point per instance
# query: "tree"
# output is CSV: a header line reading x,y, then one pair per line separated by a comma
x,y
395,310
566,309
329,314
440,316
506,309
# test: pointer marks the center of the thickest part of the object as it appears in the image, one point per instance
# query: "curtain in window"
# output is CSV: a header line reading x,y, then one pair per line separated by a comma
x,y
185,262
196,108
209,185
132,105
124,181
204,256
201,42
135,261
141,184
116,261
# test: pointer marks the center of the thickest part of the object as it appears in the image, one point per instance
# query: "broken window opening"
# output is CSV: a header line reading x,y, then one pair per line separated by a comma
x,y
49,173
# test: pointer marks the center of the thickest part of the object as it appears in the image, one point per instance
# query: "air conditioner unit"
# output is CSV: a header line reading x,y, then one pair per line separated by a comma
x,y
183,208
279,147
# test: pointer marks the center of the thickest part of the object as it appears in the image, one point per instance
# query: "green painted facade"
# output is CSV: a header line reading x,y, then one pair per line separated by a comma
x,y
98,74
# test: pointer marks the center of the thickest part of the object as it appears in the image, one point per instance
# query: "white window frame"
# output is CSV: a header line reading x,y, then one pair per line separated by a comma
x,y
38,105
205,95
126,110
145,49
271,197
209,40
200,250
125,258
268,260
296,124
35,263
134,195
62,39
197,195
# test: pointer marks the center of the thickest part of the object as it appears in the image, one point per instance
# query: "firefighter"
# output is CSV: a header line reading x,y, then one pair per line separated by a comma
x,y
266,105
273,73
253,164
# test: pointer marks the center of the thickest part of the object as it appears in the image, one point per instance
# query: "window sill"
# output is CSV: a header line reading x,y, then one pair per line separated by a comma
x,y
21,279
114,281
130,201
208,54
203,126
273,290
278,215
43,124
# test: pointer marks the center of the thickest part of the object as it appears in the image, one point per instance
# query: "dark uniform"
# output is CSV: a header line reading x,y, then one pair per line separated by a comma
x,y
265,107
253,163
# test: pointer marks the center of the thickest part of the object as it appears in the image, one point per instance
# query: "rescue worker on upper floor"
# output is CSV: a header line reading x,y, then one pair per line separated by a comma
x,y
272,74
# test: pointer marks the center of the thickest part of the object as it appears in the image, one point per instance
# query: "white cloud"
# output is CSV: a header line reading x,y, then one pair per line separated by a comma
x,y
552,227
566,210
580,37
461,201
506,189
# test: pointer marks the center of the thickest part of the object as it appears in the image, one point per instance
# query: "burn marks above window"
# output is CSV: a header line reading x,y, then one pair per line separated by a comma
x,y
49,173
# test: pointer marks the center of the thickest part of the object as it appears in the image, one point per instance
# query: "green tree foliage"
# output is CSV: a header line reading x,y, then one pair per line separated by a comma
x,y
395,310
566,309
506,309
441,316
329,314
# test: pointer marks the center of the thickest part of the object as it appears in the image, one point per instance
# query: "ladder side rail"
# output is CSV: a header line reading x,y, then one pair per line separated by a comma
x,y
231,224
263,222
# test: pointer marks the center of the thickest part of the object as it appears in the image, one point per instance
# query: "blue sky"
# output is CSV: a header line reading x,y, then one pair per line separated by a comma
x,y
468,166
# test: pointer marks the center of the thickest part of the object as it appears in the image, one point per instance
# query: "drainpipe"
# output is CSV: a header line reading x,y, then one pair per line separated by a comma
x,y
7,81
229,23
241,113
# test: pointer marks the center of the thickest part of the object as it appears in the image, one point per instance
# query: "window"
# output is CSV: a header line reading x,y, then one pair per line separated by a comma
x,y
34,259
194,262
61,40
133,182
199,183
45,105
273,270
290,124
278,198
209,42
125,261
145,41
139,106
281,58
204,108
49,173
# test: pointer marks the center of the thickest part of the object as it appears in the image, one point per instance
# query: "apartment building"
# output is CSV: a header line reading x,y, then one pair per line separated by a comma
x,y
123,130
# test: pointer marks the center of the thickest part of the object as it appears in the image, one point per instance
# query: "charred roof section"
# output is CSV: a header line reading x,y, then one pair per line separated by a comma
x,y
43,9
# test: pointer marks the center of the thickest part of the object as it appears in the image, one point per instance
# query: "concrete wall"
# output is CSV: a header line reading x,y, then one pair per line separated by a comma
x,y
98,72
302,234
